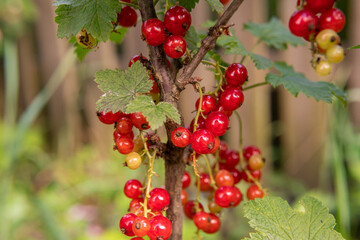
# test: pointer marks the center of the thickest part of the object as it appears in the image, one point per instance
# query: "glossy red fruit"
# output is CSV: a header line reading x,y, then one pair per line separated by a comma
x,y
175,46
208,104
302,23
190,209
224,2
224,178
216,145
159,199
202,141
256,162
155,87
127,17
126,223
236,175
205,183
213,224
184,196
135,204
220,108
124,145
141,226
124,125
200,122
236,75
160,228
318,6
177,20
180,137
137,238
333,19
255,174
136,58
232,159
254,192
227,196
201,220
232,98
108,117
133,188
223,149
186,180
217,123
118,135
249,151
154,31
139,121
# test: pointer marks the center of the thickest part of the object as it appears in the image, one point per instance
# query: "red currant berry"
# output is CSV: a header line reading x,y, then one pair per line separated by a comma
x,y
159,199
217,123
124,145
133,188
153,31
160,228
108,117
202,141
135,204
208,104
254,192
180,137
302,23
223,150
127,17
186,180
232,98
201,220
224,178
137,238
213,224
190,209
216,145
213,207
221,109
318,6
333,19
232,159
255,174
154,88
224,2
126,223
256,162
200,122
118,135
136,58
175,46
236,74
249,151
236,175
177,20
139,121
227,196
184,196
124,125
205,182
141,226
133,160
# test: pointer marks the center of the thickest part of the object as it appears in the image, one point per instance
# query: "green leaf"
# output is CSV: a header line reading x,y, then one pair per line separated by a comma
x,y
155,114
121,87
354,47
79,51
192,38
216,5
233,45
273,33
273,218
118,36
188,4
296,82
93,15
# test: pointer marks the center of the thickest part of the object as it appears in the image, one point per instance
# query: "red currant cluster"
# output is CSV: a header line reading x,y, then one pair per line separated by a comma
x,y
127,17
170,33
319,22
140,221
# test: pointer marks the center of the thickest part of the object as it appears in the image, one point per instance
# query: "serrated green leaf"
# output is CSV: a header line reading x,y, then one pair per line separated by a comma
x,y
273,33
216,5
155,114
188,4
354,47
233,45
192,38
118,36
273,218
121,87
93,15
296,82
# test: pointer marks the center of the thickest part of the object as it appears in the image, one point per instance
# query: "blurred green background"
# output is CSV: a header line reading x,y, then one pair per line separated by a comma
x,y
60,178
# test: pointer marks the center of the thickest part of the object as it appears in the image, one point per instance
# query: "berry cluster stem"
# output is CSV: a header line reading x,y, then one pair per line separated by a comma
x,y
212,181
199,111
255,85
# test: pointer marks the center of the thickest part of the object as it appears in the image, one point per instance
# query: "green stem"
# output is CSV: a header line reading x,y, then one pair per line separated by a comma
x,y
129,4
255,85
212,181
246,56
199,109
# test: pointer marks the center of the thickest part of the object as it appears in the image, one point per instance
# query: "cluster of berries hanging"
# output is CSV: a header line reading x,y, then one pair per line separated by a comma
x,y
319,22
170,33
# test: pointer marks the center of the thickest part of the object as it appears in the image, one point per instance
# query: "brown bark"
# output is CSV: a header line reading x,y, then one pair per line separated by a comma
x,y
170,89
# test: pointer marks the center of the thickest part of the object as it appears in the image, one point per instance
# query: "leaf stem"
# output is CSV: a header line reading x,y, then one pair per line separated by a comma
x,y
252,50
255,85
